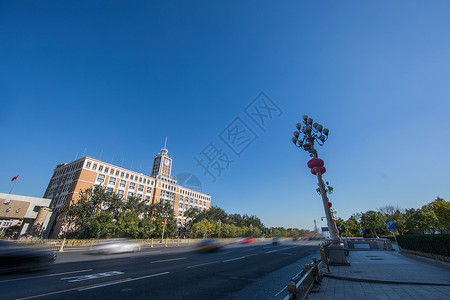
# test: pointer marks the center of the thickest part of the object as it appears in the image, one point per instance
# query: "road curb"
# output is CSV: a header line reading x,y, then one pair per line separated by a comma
x,y
384,281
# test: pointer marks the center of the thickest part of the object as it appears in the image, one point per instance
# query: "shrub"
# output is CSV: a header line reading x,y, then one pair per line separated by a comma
x,y
427,243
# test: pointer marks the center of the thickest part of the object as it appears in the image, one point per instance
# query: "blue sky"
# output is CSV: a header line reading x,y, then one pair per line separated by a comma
x,y
116,78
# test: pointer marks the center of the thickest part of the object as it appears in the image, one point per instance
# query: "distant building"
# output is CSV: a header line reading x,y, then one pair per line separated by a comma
x,y
70,179
31,213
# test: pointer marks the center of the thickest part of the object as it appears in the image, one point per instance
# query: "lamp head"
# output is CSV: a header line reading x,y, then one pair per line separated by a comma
x,y
305,117
298,126
296,134
294,140
326,131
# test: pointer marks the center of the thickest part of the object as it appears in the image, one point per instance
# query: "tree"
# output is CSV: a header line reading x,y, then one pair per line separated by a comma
x,y
441,209
353,226
372,222
342,226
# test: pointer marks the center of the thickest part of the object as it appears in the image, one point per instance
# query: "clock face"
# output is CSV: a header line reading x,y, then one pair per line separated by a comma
x,y
166,162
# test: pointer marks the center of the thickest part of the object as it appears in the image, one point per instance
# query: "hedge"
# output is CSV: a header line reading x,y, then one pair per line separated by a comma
x,y
427,243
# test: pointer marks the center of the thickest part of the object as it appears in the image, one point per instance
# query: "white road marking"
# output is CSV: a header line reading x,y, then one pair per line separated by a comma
x,y
164,260
122,281
233,259
92,276
280,291
279,250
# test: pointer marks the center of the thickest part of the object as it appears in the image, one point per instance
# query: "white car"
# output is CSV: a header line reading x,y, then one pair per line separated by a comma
x,y
115,246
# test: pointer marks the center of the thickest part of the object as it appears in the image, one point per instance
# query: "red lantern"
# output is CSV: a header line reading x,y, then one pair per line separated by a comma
x,y
334,220
329,204
315,163
322,171
162,223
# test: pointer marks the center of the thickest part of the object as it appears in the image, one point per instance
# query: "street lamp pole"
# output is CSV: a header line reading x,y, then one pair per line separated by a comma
x,y
164,226
220,226
315,133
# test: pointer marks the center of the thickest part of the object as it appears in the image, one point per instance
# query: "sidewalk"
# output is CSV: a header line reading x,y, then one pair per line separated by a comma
x,y
385,275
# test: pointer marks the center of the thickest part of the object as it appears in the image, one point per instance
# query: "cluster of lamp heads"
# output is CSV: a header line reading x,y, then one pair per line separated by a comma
x,y
310,130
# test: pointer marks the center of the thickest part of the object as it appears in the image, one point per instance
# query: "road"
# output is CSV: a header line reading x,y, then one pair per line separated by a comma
x,y
236,272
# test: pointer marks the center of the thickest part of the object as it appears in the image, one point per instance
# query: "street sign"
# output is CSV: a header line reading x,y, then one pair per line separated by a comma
x,y
391,226
325,229
361,232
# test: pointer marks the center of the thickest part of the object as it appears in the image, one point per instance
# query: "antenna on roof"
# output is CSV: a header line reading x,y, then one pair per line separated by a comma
x,y
165,143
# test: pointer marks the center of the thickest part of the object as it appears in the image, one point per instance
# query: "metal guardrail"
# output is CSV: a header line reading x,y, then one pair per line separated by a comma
x,y
301,289
323,249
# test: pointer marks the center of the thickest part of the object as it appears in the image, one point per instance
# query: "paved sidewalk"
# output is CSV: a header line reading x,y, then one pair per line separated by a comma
x,y
385,275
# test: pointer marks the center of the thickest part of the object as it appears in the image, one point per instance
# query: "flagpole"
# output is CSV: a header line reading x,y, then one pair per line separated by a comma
x,y
12,187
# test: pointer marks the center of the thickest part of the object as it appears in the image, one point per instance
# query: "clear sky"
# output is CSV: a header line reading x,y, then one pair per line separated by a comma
x,y
117,77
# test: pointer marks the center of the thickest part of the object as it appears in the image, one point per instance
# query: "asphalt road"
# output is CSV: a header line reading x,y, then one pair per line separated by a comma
x,y
235,272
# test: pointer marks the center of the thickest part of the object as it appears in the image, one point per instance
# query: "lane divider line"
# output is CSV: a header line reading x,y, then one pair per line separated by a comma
x,y
171,259
55,292
48,275
122,281
279,250
233,259
199,265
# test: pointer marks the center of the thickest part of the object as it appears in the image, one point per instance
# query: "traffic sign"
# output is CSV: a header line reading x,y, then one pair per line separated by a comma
x,y
325,229
391,226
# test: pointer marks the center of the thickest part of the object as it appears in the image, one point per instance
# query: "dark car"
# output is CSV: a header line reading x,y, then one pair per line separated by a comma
x,y
208,245
14,258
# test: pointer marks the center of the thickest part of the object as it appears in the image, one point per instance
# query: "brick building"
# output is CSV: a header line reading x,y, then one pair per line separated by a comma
x,y
70,179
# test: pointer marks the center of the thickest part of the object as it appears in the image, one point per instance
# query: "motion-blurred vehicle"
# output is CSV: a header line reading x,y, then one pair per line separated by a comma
x,y
208,245
114,246
276,241
247,240
14,258
237,241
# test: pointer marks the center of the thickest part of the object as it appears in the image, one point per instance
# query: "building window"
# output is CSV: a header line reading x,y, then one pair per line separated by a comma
x,y
88,164
100,168
139,196
121,174
106,169
100,178
110,190
120,193
122,183
132,186
130,194
94,167
126,176
112,172
140,179
131,177
112,181
140,188
149,190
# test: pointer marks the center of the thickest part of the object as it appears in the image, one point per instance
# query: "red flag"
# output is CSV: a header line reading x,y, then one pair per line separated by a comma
x,y
14,178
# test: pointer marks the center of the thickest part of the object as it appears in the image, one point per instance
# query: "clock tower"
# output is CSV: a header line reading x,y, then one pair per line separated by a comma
x,y
162,164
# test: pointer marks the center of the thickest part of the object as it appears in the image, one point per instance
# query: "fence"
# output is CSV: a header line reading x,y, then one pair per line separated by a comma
x,y
62,244
311,277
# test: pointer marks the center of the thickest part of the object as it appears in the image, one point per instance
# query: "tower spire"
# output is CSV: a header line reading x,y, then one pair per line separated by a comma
x,y
165,143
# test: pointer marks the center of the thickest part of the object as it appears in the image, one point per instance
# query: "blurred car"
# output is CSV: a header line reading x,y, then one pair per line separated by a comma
x,y
247,240
114,246
276,241
14,258
208,245
237,241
